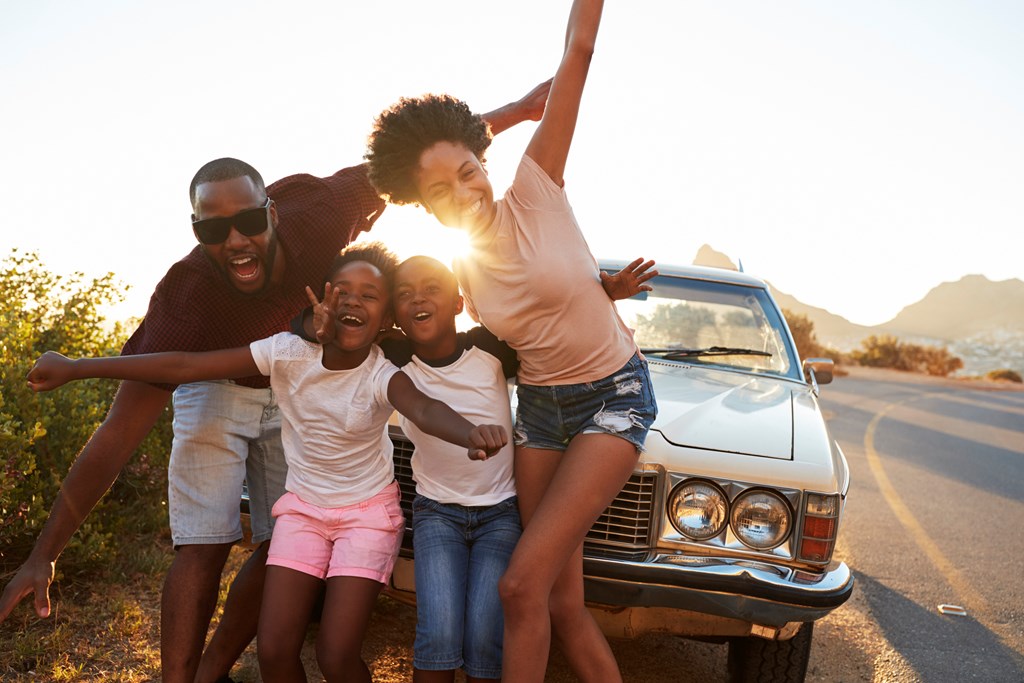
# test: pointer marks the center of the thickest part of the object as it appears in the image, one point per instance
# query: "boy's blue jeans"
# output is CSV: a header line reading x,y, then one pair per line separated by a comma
x,y
461,552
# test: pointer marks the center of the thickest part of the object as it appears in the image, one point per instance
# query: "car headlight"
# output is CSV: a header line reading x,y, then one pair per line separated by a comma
x,y
761,519
698,510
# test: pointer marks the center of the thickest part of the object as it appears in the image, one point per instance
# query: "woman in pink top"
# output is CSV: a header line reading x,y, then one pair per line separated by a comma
x,y
584,395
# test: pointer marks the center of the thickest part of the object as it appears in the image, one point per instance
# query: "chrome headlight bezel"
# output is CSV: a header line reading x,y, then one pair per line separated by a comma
x,y
770,508
714,501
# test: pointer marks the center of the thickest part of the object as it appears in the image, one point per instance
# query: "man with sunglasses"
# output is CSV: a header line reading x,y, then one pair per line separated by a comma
x,y
258,250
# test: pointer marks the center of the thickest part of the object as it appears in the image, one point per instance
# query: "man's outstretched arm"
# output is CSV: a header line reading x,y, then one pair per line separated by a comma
x,y
135,410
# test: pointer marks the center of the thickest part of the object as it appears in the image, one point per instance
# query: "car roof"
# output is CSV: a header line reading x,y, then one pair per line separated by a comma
x,y
733,277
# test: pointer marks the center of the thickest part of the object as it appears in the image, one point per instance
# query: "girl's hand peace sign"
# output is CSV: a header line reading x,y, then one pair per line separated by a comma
x,y
324,312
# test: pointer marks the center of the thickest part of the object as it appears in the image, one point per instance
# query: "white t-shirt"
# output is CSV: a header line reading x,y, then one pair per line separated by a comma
x,y
531,280
334,422
474,386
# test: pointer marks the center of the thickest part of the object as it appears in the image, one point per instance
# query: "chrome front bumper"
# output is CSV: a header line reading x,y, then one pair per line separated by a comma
x,y
752,591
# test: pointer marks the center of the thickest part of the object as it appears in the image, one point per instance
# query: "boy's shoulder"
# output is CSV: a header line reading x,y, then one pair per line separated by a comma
x,y
397,350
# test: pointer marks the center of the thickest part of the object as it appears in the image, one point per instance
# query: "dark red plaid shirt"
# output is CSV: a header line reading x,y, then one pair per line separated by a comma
x,y
194,309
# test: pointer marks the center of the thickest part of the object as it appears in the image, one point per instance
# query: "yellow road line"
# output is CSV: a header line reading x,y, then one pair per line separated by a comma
x,y
975,603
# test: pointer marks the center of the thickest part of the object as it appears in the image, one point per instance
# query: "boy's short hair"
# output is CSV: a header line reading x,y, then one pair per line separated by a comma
x,y
374,253
447,275
406,129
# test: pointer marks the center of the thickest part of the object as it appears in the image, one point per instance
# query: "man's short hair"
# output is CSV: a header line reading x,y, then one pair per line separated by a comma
x,y
224,169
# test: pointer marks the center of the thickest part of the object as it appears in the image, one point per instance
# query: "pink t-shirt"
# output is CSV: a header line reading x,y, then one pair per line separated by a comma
x,y
530,278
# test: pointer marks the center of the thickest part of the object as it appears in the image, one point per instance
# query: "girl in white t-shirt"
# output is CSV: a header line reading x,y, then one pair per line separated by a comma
x,y
339,520
584,395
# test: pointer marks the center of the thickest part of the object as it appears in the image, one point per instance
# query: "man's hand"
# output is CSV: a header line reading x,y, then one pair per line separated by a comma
x,y
486,440
50,371
324,313
530,107
32,577
629,281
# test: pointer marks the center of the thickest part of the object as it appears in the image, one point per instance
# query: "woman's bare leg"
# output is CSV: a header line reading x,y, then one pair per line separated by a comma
x,y
545,574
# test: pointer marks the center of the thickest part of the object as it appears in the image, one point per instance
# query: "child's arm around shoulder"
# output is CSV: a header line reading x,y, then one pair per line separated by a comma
x,y
437,419
176,367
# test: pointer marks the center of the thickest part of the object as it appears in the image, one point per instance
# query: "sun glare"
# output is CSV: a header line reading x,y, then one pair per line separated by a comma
x,y
410,231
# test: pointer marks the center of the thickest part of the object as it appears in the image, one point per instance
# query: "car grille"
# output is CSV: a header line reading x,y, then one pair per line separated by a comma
x,y
622,531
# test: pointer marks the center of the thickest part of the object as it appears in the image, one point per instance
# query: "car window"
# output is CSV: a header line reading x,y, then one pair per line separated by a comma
x,y
697,321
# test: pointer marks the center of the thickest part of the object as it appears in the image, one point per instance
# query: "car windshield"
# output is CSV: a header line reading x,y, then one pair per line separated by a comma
x,y
711,323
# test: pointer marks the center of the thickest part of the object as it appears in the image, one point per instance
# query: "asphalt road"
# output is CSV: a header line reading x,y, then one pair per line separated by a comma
x,y
934,516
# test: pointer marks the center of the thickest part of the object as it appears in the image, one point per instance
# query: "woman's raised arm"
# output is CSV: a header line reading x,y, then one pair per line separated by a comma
x,y
550,144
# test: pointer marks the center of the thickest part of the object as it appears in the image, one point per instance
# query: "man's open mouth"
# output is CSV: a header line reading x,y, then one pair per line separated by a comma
x,y
245,267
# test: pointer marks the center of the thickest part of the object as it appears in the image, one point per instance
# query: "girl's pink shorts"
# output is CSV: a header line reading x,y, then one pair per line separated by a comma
x,y
361,539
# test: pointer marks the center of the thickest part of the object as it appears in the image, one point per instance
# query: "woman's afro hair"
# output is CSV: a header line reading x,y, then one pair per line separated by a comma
x,y
409,127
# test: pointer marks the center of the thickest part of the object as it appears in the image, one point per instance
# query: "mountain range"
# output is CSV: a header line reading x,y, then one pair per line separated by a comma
x,y
980,320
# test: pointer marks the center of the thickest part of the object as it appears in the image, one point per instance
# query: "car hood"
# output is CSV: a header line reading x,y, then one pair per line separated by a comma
x,y
727,411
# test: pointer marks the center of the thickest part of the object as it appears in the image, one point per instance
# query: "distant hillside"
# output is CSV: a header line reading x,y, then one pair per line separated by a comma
x,y
981,321
831,329
971,306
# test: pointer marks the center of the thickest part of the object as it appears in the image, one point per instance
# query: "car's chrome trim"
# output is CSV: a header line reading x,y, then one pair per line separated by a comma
x,y
760,592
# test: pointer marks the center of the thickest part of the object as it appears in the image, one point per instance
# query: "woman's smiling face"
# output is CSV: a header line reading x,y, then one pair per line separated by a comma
x,y
454,186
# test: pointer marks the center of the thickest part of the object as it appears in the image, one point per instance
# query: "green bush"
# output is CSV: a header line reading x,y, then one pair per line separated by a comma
x,y
40,435
1004,375
802,329
886,351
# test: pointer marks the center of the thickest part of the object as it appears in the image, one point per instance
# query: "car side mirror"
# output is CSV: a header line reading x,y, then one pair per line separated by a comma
x,y
818,371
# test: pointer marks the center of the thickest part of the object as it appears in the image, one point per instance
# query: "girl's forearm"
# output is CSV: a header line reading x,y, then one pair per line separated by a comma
x,y
172,367
438,419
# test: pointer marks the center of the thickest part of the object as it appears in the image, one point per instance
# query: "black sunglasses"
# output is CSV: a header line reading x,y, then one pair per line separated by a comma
x,y
250,223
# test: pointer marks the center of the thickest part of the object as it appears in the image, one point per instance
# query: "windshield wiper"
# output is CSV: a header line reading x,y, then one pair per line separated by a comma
x,y
677,354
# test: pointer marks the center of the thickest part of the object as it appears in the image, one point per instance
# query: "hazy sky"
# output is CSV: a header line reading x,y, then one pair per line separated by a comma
x,y
854,154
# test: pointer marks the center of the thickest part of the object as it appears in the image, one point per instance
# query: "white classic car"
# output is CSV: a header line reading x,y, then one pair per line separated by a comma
x,y
727,527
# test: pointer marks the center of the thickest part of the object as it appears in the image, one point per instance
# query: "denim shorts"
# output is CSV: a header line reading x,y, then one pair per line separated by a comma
x,y
223,434
461,552
361,539
621,404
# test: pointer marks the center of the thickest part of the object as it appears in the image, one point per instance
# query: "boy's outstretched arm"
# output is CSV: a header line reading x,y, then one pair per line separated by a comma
x,y
175,367
550,144
530,107
629,281
437,419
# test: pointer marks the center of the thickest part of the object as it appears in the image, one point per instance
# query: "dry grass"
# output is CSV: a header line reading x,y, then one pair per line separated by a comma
x,y
106,627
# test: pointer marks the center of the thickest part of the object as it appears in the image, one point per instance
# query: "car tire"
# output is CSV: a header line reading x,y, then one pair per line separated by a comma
x,y
756,660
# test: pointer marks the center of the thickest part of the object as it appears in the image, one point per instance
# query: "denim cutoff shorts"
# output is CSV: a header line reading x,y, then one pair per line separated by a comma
x,y
224,434
461,552
621,404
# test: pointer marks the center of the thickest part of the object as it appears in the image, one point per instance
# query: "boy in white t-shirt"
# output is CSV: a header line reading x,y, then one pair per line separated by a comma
x,y
340,520
465,514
